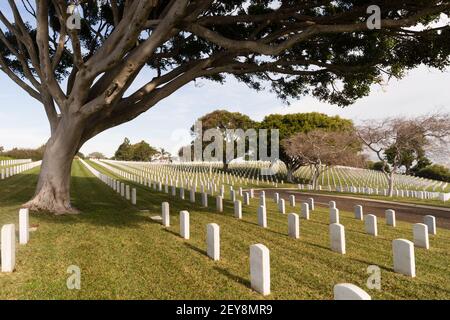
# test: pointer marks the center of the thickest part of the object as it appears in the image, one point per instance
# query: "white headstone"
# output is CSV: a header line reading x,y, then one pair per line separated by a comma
x,y
292,200
293,225
24,226
260,269
184,224
127,192
420,235
213,241
334,215
182,193
133,196
232,195
219,204
262,216
371,224
348,291
8,247
192,195
359,212
237,209
262,198
337,238
276,197
204,199
311,203
305,210
165,214
430,221
247,198
390,217
332,204
404,261
281,206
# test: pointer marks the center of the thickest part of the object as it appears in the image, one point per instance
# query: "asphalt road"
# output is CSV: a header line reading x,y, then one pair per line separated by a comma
x,y
405,212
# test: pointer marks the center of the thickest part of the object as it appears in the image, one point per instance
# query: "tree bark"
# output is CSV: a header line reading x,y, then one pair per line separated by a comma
x,y
391,184
53,188
290,174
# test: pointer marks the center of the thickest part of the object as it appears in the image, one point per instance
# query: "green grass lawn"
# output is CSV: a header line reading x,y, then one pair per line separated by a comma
x,y
122,253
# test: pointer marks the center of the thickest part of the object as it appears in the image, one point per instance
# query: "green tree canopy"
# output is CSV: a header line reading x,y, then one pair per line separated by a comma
x,y
224,120
291,124
141,151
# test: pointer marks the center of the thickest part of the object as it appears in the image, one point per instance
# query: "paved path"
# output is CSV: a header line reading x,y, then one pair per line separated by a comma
x,y
403,211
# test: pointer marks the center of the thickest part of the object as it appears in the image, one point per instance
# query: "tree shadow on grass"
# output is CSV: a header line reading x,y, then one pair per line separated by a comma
x,y
316,245
201,251
233,277
171,232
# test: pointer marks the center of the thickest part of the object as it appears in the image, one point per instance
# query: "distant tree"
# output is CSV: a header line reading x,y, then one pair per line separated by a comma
x,y
163,154
2,149
291,124
392,139
421,163
436,172
80,155
322,149
378,166
142,151
96,155
124,152
21,153
224,120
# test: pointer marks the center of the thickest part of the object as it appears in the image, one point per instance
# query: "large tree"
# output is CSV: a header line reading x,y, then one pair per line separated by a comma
x,y
392,140
324,48
320,149
291,124
226,123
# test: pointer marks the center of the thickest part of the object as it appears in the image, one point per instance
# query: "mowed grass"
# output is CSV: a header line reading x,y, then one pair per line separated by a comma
x,y
123,254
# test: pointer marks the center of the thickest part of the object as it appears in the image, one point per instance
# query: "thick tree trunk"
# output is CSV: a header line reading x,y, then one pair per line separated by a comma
x,y
290,174
53,188
225,166
391,184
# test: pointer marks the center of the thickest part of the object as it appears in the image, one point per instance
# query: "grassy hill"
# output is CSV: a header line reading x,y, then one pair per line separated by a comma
x,y
122,253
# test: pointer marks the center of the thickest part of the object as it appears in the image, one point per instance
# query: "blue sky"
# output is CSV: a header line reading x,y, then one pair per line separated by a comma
x,y
23,121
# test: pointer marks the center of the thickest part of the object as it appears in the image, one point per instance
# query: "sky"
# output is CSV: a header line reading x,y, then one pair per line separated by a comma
x,y
23,122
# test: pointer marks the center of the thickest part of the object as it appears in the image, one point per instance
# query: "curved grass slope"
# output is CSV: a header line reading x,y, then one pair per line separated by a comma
x,y
124,254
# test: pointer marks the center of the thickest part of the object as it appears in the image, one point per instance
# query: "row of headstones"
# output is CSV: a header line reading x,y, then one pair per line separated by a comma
x,y
8,240
259,258
116,185
12,162
383,192
404,261
403,250
191,167
11,171
220,176
209,189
